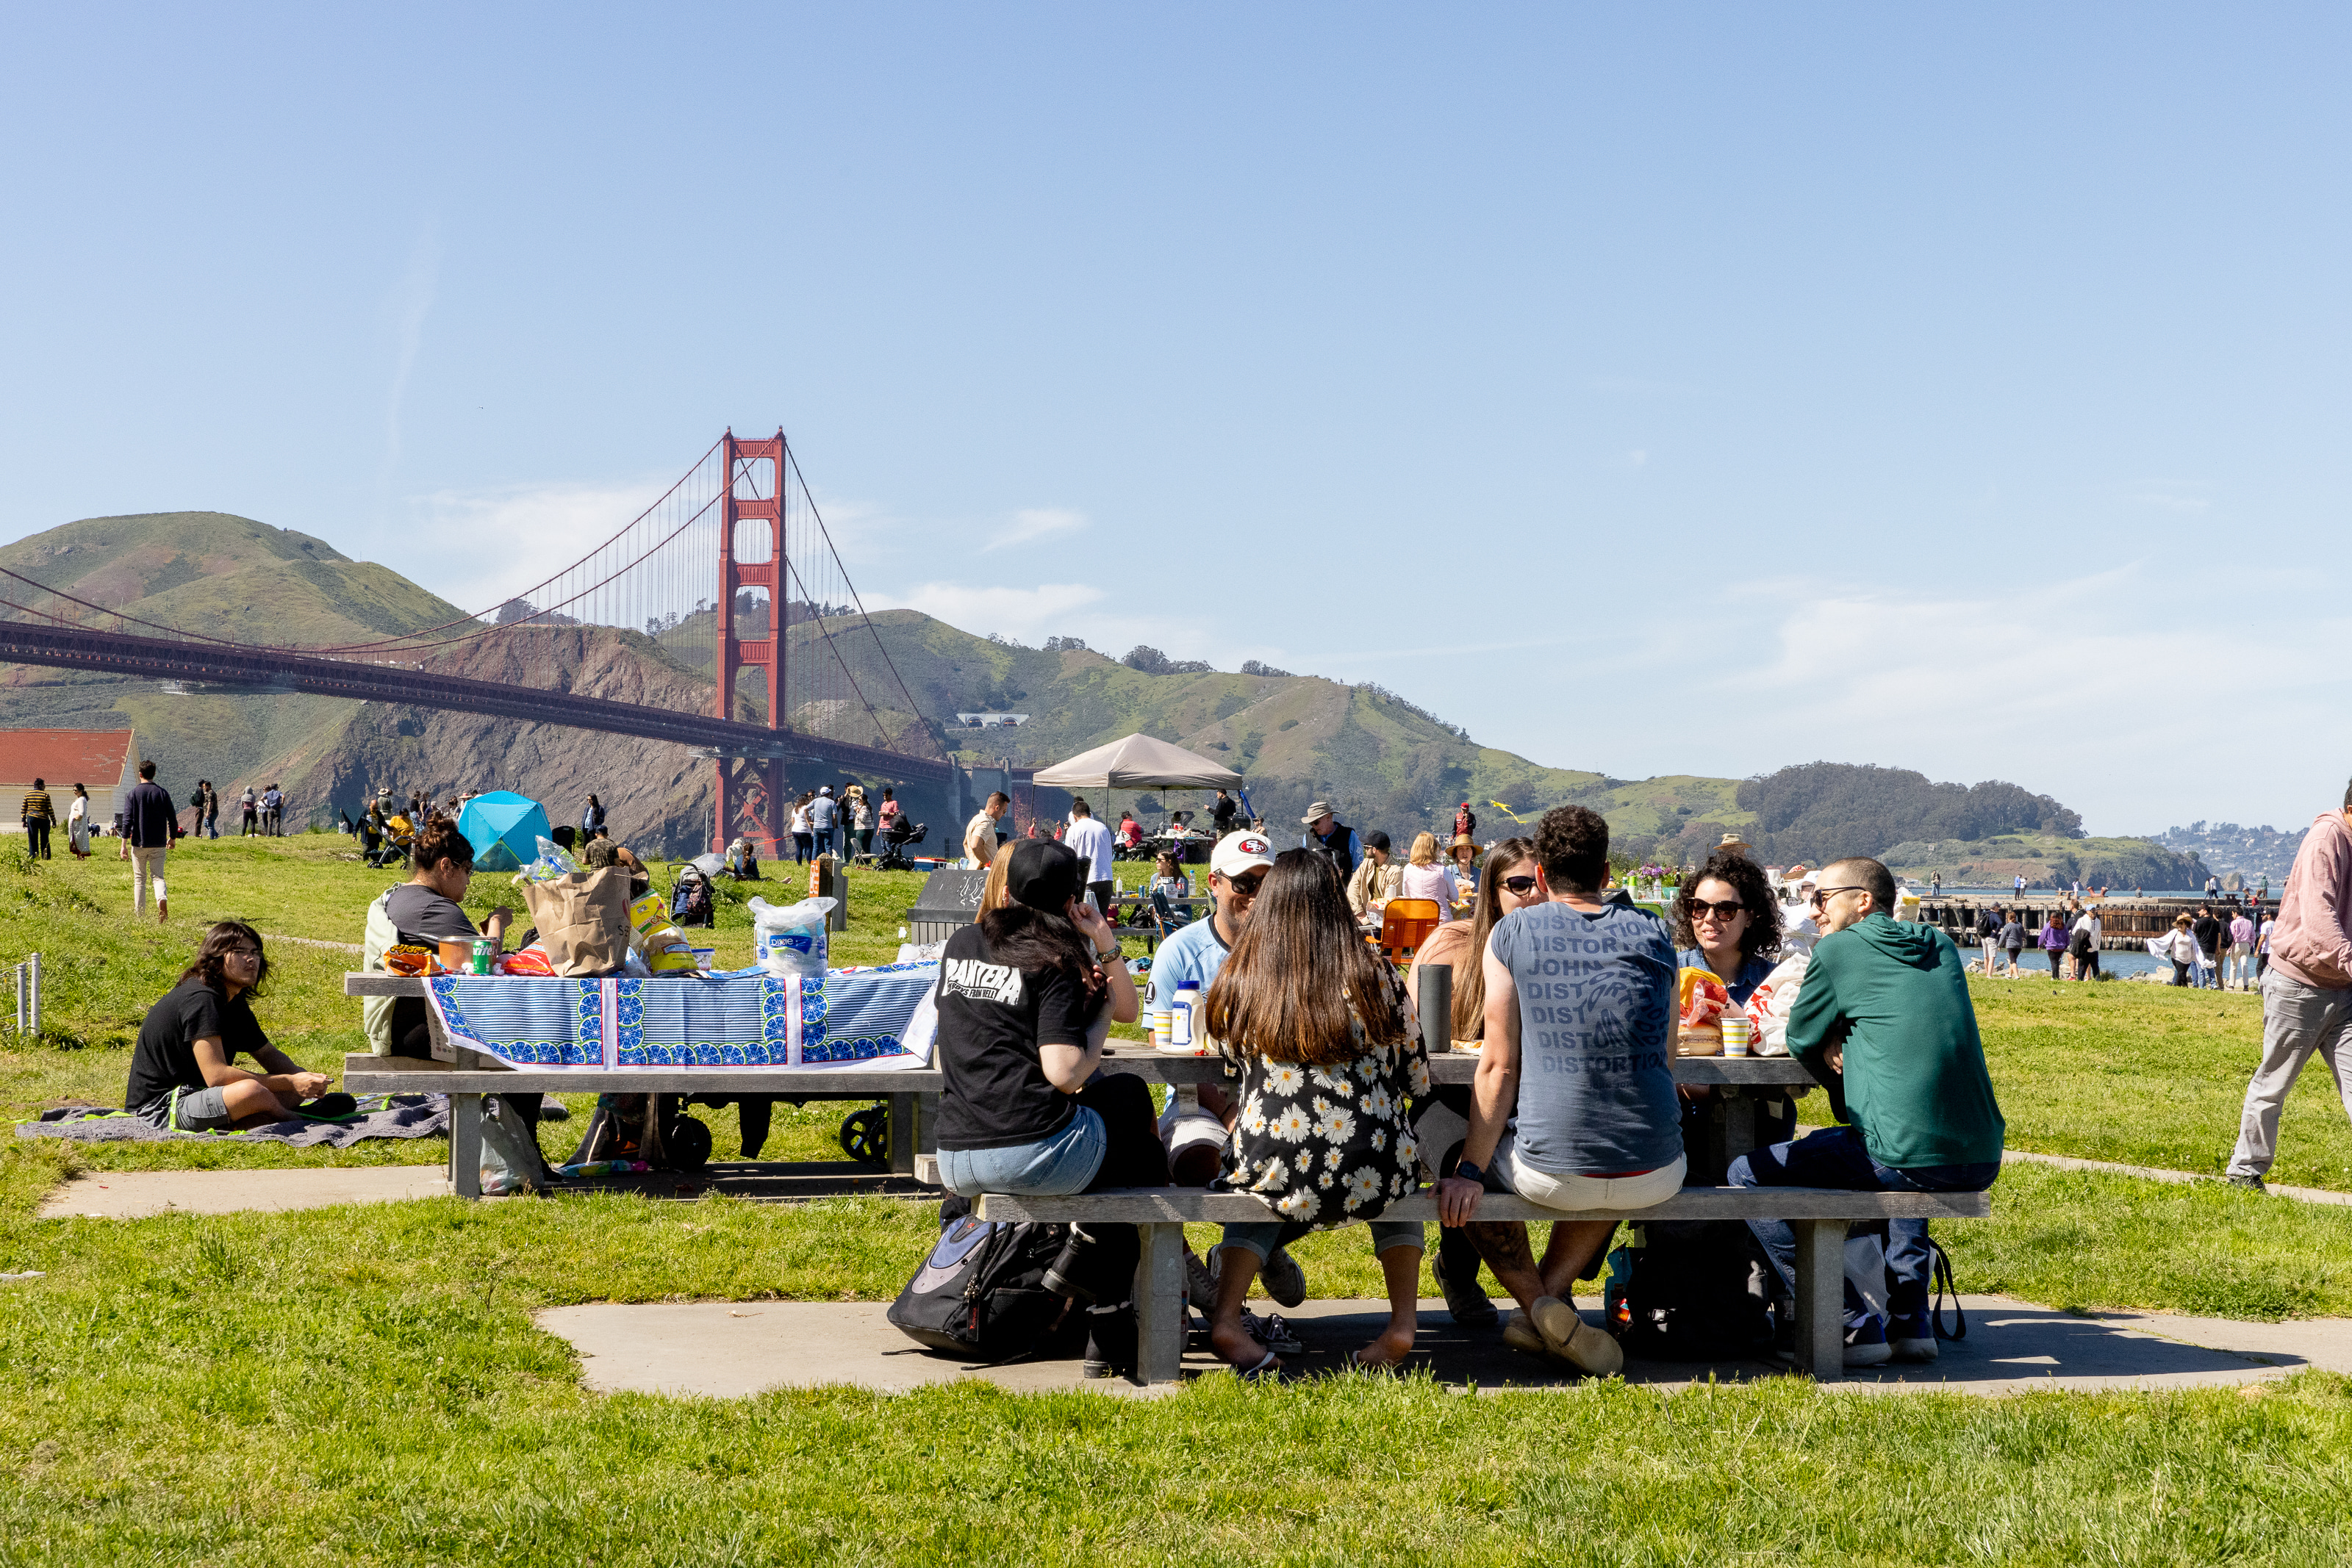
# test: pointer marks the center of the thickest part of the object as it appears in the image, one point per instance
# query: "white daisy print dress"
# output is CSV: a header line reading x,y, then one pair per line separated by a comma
x,y
1325,1146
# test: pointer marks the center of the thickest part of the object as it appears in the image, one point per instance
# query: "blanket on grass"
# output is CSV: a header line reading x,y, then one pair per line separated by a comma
x,y
378,1116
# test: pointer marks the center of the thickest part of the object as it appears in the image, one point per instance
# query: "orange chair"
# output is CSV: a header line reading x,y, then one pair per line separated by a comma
x,y
1405,925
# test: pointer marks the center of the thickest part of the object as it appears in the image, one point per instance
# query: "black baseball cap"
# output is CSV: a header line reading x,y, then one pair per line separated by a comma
x,y
1044,875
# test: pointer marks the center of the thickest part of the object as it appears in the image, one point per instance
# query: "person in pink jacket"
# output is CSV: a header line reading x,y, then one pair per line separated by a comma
x,y
2307,991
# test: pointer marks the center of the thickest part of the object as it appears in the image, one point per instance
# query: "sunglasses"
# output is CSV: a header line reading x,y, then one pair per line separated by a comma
x,y
1519,885
1701,909
1246,887
1823,894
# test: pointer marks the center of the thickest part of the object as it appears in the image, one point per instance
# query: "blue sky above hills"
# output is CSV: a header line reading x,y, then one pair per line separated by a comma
x,y
1692,392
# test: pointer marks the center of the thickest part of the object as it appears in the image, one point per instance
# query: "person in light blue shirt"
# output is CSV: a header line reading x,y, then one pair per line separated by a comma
x,y
1196,953
823,812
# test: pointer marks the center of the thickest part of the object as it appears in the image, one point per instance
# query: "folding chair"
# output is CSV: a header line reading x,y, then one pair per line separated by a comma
x,y
1405,925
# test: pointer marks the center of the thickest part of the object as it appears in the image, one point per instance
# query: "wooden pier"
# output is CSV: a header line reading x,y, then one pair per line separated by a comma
x,y
2125,923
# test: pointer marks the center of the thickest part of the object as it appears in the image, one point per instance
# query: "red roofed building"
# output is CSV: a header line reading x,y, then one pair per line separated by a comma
x,y
103,761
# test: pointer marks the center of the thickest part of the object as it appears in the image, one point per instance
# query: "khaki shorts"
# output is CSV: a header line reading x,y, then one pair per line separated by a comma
x,y
1572,1192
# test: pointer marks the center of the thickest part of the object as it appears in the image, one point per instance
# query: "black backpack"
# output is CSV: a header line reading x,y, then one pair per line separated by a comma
x,y
1697,1294
981,1292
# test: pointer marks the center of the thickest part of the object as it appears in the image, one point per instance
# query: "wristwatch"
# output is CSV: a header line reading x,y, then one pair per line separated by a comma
x,y
1468,1172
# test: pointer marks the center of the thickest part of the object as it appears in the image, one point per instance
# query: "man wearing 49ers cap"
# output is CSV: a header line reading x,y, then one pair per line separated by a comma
x,y
1195,954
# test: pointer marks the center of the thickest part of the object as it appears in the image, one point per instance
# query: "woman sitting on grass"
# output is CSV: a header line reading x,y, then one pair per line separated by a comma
x,y
1330,1063
180,1076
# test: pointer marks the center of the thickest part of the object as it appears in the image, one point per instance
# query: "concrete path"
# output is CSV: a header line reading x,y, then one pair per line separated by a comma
x,y
2151,1173
139,1194
724,1351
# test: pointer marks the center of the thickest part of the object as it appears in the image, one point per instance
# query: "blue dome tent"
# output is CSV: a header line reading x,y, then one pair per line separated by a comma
x,y
504,827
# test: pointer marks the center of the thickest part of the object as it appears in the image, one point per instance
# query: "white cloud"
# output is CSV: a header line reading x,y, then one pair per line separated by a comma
x,y
1036,523
1020,613
478,548
2172,502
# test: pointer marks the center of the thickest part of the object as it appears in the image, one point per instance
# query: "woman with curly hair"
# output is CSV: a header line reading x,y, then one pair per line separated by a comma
x,y
1727,920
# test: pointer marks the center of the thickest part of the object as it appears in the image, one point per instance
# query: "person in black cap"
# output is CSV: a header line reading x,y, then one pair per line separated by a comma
x,y
1026,997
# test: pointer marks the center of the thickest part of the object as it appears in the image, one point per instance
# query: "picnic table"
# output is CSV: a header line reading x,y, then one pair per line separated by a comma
x,y
466,1075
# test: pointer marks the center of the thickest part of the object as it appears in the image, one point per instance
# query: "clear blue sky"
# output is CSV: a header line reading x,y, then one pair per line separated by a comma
x,y
1653,390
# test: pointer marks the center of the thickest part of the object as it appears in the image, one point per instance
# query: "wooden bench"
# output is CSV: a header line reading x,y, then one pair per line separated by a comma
x,y
465,1076
1817,1214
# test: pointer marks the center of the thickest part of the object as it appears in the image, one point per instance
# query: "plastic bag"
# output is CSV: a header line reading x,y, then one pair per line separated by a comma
x,y
665,948
550,863
789,940
1770,1007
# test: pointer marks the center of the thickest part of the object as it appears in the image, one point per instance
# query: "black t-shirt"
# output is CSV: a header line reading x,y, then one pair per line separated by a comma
x,y
421,914
992,1019
165,1057
2207,932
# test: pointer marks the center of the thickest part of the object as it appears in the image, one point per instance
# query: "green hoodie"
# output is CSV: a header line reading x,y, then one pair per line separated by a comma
x,y
1915,1080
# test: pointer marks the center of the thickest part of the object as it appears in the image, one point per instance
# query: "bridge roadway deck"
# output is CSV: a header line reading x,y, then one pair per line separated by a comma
x,y
68,647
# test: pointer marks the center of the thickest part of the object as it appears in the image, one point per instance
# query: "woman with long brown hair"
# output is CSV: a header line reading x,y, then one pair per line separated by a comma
x,y
1331,1061
182,1073
1509,883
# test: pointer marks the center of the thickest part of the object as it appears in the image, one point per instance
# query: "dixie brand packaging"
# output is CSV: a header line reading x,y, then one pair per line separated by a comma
x,y
790,941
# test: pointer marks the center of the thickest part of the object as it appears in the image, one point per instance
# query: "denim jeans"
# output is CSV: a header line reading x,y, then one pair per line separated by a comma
x,y
825,840
1051,1167
1835,1158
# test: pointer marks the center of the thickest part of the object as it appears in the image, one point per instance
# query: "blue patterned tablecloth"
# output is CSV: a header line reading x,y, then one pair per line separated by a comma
x,y
852,1016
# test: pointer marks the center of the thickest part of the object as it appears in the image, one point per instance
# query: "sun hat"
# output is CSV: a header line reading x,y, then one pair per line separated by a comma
x,y
1044,874
1320,809
1238,852
1734,841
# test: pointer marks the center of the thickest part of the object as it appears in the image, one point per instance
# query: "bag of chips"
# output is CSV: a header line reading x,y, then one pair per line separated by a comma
x,y
412,959
1700,999
531,960
665,946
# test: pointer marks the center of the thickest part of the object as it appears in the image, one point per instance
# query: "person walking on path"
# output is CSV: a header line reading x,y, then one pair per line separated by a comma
x,y
2307,992
2053,944
2012,941
1087,838
40,816
207,808
1989,924
148,825
77,824
2241,951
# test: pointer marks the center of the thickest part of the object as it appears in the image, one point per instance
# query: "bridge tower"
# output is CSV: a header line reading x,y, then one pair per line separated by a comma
x,y
751,555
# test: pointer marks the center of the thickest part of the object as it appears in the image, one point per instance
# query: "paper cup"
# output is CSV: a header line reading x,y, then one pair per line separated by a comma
x,y
1738,1030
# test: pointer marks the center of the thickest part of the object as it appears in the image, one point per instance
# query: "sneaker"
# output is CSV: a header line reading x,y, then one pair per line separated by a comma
x,y
553,1110
1911,1338
1200,1281
1270,1330
1284,1281
1572,1341
1521,1335
1865,1344
2250,1183
1468,1304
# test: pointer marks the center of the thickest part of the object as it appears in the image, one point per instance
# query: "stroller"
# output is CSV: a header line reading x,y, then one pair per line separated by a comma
x,y
897,838
690,903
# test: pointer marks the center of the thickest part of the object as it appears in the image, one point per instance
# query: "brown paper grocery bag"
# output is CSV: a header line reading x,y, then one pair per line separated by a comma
x,y
582,919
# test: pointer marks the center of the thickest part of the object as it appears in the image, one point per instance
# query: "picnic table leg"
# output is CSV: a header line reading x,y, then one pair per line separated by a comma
x,y
1820,1297
902,1135
466,1144
1159,1304
1739,1123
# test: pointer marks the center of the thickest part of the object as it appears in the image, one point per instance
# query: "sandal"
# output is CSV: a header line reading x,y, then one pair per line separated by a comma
x,y
1268,1370
1271,1331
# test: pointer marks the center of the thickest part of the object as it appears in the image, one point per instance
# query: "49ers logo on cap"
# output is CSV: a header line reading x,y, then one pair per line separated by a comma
x,y
1254,845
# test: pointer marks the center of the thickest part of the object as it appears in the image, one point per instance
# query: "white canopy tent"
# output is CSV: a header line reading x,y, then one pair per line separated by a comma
x,y
1138,762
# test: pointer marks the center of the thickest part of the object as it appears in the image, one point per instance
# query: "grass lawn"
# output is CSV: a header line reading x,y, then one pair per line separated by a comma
x,y
364,1384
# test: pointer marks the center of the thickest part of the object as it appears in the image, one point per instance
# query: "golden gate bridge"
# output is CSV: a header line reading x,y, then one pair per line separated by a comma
x,y
730,572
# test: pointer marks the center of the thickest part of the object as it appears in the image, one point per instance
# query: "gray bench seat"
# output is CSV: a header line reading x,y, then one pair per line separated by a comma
x,y
1819,1216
